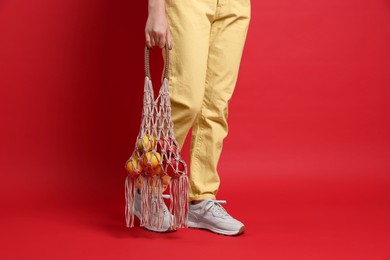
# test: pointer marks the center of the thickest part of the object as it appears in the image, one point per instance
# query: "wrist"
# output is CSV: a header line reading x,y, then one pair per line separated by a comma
x,y
156,6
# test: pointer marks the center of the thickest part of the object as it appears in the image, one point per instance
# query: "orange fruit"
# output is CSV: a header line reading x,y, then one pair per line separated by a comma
x,y
133,166
147,143
165,182
154,158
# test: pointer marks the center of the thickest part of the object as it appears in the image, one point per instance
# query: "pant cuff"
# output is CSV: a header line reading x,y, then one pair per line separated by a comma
x,y
201,197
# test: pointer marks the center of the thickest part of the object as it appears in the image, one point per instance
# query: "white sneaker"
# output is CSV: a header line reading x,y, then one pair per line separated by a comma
x,y
166,225
209,214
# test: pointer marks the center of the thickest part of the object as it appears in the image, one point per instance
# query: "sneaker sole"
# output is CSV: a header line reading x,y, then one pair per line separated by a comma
x,y
169,230
159,230
216,230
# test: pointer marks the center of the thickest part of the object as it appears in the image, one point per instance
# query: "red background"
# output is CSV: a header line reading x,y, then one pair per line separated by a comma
x,y
306,165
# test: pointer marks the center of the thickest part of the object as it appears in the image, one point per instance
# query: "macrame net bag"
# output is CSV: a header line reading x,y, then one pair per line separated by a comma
x,y
156,155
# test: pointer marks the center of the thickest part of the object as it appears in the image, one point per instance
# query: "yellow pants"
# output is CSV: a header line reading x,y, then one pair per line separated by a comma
x,y
208,40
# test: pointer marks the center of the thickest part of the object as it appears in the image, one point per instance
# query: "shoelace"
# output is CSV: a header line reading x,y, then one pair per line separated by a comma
x,y
215,207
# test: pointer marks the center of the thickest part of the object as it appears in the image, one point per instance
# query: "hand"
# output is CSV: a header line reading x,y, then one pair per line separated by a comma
x,y
157,31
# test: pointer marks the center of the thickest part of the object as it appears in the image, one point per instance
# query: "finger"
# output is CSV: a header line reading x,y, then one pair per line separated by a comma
x,y
161,42
152,42
154,35
148,42
169,39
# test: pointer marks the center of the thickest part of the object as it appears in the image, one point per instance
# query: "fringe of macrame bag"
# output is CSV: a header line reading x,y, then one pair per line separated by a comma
x,y
152,209
179,201
129,197
158,206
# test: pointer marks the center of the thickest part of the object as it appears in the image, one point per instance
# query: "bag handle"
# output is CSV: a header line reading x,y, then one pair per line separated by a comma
x,y
146,62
